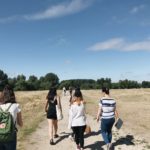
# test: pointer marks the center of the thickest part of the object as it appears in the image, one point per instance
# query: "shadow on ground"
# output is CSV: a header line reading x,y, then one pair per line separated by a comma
x,y
128,140
62,137
95,146
93,133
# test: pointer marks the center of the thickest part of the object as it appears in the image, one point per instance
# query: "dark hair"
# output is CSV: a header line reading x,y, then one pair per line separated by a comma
x,y
78,93
51,94
105,90
70,90
8,95
1,98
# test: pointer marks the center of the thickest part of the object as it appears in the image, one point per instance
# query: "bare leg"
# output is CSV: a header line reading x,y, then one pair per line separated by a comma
x,y
50,127
55,126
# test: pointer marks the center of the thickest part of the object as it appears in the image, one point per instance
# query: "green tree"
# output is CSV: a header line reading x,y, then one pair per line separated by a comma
x,y
21,84
48,81
146,84
82,83
115,85
128,84
33,83
3,80
12,82
103,82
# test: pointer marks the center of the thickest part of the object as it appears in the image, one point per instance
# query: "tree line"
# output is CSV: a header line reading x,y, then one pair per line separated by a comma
x,y
21,83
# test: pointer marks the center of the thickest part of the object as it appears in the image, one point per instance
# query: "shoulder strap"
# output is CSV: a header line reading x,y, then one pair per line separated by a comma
x,y
6,109
1,109
9,107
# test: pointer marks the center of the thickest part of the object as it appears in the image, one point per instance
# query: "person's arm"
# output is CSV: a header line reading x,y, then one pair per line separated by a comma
x,y
19,119
70,101
70,117
46,106
116,114
99,112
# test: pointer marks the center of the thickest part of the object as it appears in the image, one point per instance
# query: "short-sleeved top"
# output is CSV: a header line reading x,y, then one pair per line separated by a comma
x,y
14,109
77,115
108,106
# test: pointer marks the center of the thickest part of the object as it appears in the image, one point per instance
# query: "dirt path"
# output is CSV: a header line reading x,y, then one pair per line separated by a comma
x,y
39,140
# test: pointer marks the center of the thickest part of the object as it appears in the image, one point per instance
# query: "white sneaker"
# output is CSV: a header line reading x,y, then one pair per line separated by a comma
x,y
107,146
71,138
110,146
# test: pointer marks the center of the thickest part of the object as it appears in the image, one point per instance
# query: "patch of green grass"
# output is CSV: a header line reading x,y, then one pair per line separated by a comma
x,y
28,131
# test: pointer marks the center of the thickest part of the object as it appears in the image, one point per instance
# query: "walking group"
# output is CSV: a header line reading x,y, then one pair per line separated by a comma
x,y
106,115
10,112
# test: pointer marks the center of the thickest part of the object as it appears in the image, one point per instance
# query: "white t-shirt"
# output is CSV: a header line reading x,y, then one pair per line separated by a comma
x,y
14,109
77,115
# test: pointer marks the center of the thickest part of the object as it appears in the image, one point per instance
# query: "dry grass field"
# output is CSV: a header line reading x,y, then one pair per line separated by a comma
x,y
32,106
133,107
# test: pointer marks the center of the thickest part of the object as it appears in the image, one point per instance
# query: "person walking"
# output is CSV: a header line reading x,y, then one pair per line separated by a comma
x,y
70,95
72,135
8,103
64,91
52,100
77,118
107,111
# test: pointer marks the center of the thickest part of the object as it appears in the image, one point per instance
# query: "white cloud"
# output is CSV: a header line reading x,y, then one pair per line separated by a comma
x,y
106,45
9,19
60,10
137,9
121,45
56,11
137,46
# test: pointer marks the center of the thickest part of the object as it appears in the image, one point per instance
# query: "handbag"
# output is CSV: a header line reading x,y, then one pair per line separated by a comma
x,y
118,123
87,129
59,113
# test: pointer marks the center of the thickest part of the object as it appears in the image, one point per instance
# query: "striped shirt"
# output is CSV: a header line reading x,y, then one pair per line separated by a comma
x,y
108,106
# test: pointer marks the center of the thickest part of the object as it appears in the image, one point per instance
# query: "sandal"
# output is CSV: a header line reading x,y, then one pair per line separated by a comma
x,y
56,136
52,142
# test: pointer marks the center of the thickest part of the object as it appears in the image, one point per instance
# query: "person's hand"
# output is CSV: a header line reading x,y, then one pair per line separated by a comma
x,y
97,119
46,110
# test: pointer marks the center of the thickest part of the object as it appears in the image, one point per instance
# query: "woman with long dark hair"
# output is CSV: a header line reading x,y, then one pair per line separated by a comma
x,y
52,100
8,102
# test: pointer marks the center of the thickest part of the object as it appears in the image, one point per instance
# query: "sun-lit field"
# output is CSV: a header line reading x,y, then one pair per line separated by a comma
x,y
133,107
33,112
32,106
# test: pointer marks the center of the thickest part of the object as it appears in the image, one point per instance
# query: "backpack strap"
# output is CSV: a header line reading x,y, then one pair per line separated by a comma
x,y
9,107
1,109
6,109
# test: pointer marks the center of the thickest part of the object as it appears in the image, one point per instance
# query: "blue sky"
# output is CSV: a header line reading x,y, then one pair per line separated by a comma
x,y
76,38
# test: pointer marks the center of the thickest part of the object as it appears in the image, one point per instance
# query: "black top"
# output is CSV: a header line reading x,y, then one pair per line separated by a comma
x,y
51,113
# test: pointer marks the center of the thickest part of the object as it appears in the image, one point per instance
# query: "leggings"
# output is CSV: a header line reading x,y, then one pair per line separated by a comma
x,y
79,135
